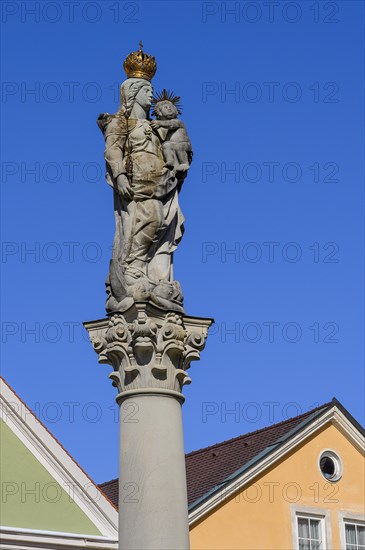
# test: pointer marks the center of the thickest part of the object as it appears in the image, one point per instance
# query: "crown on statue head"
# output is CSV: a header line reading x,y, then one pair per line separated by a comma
x,y
140,64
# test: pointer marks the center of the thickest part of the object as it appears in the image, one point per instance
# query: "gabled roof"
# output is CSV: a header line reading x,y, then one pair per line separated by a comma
x,y
210,469
226,465
49,452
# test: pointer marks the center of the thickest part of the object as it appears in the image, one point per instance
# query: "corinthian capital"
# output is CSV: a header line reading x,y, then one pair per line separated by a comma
x,y
148,348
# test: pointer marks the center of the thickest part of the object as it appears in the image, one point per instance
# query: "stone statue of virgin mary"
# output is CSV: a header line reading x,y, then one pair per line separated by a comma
x,y
144,167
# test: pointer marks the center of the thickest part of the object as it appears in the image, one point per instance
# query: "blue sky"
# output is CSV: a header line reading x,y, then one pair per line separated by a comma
x,y
272,98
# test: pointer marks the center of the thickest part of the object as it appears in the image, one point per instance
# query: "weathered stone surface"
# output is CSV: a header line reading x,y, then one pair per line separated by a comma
x,y
147,338
147,162
149,348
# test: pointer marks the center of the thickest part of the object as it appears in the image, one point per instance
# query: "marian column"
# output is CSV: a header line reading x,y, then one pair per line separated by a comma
x,y
147,337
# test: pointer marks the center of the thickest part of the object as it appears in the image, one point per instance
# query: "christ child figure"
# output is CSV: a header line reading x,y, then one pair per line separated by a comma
x,y
176,146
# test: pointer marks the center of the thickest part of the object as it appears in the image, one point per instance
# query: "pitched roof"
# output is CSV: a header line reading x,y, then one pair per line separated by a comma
x,y
39,421
210,467
41,442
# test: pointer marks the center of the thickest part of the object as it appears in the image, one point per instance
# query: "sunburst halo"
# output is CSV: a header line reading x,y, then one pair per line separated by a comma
x,y
166,95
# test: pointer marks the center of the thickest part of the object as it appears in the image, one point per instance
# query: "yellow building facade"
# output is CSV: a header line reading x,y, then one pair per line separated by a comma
x,y
308,494
296,485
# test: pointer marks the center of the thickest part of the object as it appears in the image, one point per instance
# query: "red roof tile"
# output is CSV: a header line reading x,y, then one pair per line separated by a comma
x,y
206,468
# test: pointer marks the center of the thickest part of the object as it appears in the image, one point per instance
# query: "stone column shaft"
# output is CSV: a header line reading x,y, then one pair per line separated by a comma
x,y
152,478
150,351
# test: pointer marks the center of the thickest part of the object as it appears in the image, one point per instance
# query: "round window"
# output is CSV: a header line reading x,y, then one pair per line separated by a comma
x,y
330,466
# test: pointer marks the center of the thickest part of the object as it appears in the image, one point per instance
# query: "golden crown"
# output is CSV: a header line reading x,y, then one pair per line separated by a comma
x,y
140,64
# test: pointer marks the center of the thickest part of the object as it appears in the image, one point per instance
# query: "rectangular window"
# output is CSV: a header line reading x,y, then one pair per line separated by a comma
x,y
355,536
310,535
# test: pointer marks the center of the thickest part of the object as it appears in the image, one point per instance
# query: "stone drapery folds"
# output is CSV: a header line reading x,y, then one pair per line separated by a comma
x,y
146,164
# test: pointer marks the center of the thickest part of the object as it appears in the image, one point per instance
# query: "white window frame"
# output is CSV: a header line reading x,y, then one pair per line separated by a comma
x,y
335,457
320,514
348,517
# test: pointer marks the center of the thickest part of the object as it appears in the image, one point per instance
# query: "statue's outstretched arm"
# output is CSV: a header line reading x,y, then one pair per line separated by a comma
x,y
172,124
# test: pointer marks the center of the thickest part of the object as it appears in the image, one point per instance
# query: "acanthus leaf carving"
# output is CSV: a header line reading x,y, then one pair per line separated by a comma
x,y
149,349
